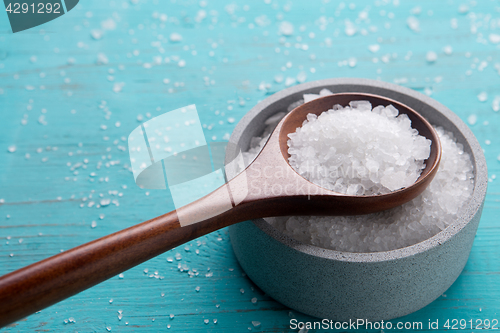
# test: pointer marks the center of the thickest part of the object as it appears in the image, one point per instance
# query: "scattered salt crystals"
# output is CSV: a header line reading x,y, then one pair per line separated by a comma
x,y
431,56
286,28
242,290
110,301
197,288
12,149
352,150
413,23
206,321
482,96
472,119
255,323
423,217
175,37
93,224
254,300
121,276
108,329
215,320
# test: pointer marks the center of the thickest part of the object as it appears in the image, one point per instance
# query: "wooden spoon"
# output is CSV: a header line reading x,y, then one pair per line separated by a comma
x,y
268,187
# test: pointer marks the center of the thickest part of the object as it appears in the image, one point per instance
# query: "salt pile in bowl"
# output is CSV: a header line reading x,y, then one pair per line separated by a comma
x,y
417,220
355,150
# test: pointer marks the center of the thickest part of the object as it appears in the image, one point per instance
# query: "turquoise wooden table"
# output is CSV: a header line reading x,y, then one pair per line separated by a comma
x,y
72,90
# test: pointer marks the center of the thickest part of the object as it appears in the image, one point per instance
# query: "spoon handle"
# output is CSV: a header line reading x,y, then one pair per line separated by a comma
x,y
49,281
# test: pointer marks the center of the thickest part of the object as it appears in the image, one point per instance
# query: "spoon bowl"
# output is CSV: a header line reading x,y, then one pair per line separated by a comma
x,y
267,187
351,204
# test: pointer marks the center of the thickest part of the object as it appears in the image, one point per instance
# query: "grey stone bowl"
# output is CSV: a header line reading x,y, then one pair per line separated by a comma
x,y
342,285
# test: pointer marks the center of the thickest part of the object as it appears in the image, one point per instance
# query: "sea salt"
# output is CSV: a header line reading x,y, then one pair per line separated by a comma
x,y
423,217
431,56
359,151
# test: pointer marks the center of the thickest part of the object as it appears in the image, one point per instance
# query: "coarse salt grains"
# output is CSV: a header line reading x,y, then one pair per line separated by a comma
x,y
355,150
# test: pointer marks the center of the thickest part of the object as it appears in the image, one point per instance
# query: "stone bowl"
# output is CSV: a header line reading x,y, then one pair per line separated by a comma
x,y
338,285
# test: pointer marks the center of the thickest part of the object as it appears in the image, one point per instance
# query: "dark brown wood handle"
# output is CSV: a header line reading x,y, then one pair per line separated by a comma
x,y
42,284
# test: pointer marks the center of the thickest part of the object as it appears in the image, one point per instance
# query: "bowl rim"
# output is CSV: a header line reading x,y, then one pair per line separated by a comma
x,y
465,214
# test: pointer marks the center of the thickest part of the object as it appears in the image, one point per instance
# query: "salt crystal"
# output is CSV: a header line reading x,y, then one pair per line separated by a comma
x,y
102,59
482,96
117,87
495,105
346,139
431,56
494,38
254,300
290,81
12,149
350,29
413,23
256,323
286,28
206,321
472,119
436,208
175,37
374,48
448,50
301,77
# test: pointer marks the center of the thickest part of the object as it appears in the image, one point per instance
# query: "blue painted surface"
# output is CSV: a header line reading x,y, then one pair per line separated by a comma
x,y
232,57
